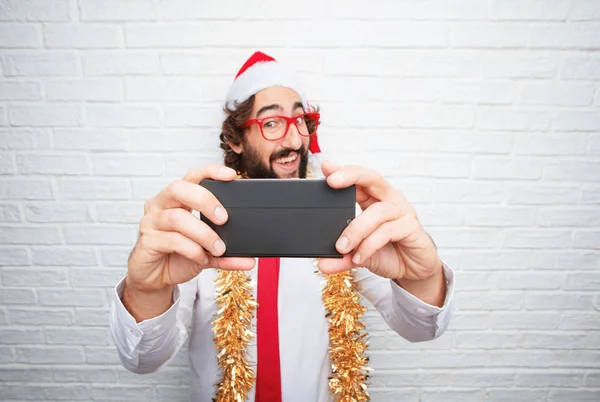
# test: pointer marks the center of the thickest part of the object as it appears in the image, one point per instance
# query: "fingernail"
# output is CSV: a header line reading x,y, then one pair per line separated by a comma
x,y
220,214
356,258
342,243
219,247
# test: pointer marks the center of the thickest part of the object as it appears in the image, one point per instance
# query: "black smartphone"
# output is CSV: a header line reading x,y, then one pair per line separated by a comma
x,y
300,218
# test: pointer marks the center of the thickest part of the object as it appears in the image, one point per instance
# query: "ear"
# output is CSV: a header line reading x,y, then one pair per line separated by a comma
x,y
236,148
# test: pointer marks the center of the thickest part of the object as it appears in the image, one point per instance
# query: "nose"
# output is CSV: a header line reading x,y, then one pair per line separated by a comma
x,y
292,139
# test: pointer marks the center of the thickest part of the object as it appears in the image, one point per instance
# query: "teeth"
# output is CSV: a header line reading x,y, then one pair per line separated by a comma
x,y
287,159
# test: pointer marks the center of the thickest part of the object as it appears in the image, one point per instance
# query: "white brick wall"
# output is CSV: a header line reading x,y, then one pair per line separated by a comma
x,y
486,113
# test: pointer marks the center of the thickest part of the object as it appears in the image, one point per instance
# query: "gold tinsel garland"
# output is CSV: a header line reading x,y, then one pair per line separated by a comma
x,y
232,334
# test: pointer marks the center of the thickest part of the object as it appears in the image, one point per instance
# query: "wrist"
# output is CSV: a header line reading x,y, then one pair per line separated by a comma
x,y
144,304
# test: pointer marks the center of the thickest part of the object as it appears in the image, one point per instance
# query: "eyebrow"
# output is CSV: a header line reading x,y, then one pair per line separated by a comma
x,y
276,106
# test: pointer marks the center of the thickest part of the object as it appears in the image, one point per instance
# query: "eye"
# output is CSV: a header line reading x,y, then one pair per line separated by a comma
x,y
270,123
300,120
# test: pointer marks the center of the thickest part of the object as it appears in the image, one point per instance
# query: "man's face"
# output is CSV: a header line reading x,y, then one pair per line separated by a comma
x,y
283,158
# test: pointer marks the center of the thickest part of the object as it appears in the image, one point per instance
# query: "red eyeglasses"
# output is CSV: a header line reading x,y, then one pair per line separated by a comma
x,y
274,128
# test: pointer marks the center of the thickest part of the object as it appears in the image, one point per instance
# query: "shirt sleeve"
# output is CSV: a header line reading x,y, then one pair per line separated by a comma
x,y
406,314
146,346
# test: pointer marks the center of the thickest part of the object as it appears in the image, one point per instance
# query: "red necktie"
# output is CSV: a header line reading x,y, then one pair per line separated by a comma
x,y
268,377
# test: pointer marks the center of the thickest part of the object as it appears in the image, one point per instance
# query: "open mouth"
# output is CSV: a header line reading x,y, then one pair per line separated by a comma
x,y
288,162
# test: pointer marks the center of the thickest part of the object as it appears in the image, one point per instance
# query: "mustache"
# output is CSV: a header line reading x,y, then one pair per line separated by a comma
x,y
285,152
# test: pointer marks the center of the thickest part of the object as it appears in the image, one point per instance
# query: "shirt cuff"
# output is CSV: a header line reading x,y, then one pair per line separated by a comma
x,y
128,333
417,307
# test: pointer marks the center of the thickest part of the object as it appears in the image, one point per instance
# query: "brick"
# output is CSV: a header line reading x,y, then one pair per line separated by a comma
x,y
478,280
569,217
529,10
96,235
3,116
12,391
130,165
477,238
571,170
571,36
57,212
548,378
542,239
118,64
576,359
550,144
594,145
512,120
470,320
531,280
29,235
592,379
53,164
582,281
477,300
38,317
113,10
78,392
546,194
7,355
585,10
484,167
63,115
561,94
560,340
186,140
175,393
486,340
580,321
35,10
94,89
123,116
566,259
92,317
479,92
25,373
14,256
525,320
415,192
27,277
558,301
82,374
143,189
435,117
189,116
581,68
82,36
474,260
453,395
61,256
590,195
163,89
98,355
91,139
482,378
577,121
168,376
10,213
389,360
520,358
7,163
115,256
441,215
485,35
517,65
460,192
19,90
561,395
94,189
71,297
500,216
77,336
24,138
89,277
50,355
10,336
122,392
50,64
119,212
178,165
17,296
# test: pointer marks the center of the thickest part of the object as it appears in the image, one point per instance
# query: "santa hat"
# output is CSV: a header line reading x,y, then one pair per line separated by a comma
x,y
262,71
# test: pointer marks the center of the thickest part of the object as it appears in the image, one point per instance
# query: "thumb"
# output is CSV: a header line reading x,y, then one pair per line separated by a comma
x,y
328,168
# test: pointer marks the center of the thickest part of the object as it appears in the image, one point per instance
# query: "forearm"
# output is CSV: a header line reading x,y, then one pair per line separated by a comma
x,y
146,305
431,290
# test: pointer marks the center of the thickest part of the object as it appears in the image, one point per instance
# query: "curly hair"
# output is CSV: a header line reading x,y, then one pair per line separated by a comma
x,y
232,133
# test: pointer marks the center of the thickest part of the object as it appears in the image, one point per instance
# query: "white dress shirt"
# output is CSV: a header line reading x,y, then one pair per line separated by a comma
x,y
305,365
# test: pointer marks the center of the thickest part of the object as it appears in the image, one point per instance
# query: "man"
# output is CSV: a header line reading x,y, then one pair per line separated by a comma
x,y
171,283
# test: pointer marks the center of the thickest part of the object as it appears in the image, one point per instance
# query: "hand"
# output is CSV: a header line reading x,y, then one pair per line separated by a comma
x,y
387,238
173,245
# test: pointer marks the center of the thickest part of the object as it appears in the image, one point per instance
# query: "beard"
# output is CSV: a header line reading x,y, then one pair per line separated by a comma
x,y
252,165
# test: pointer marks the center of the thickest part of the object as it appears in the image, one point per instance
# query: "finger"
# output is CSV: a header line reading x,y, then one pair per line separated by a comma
x,y
186,193
328,167
372,183
174,242
365,224
393,231
233,263
335,265
182,221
